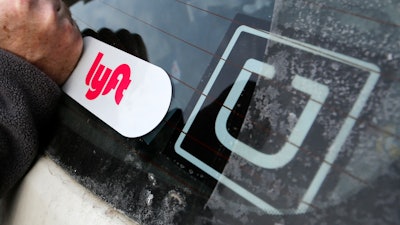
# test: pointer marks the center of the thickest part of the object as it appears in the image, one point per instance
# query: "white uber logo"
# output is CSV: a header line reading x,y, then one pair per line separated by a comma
x,y
317,92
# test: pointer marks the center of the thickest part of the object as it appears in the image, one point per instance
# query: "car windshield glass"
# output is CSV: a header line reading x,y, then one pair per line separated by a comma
x,y
283,112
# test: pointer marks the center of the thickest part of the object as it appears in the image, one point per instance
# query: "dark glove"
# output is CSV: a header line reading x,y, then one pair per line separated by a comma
x,y
122,39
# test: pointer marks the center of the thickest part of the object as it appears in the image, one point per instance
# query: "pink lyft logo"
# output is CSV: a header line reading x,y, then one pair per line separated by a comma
x,y
103,83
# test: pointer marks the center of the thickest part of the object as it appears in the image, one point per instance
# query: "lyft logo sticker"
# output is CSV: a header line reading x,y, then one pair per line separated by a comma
x,y
129,94
100,81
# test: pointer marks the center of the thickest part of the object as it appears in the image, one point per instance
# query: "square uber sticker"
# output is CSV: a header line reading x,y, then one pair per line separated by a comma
x,y
273,118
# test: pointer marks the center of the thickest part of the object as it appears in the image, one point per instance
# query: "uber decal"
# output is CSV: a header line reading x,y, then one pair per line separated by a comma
x,y
274,148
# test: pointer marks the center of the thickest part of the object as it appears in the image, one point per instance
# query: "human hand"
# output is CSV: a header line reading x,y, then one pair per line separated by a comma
x,y
43,33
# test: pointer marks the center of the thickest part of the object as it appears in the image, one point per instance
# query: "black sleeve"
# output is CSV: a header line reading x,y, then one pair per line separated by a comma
x,y
28,99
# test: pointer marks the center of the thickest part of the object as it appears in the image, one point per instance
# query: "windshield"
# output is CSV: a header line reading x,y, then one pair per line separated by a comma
x,y
283,112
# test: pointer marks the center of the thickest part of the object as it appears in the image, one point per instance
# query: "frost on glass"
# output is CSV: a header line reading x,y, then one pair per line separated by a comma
x,y
363,184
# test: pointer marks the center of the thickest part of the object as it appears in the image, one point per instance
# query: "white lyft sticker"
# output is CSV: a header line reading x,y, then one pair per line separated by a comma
x,y
127,93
